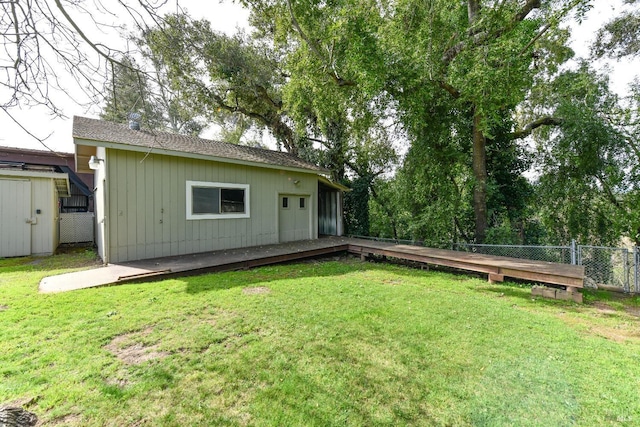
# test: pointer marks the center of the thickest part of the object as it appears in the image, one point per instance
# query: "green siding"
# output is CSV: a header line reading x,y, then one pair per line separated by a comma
x,y
147,205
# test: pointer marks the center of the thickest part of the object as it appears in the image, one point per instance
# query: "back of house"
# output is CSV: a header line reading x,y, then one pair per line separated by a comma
x,y
161,194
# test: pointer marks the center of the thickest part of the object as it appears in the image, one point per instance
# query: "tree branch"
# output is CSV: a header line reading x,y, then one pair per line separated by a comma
x,y
84,37
316,50
544,29
484,36
452,90
528,7
528,129
473,9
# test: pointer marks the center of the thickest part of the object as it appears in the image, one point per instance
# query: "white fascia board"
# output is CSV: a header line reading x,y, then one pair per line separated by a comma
x,y
33,174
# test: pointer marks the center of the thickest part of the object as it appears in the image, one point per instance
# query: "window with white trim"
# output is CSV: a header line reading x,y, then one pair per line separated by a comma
x,y
217,200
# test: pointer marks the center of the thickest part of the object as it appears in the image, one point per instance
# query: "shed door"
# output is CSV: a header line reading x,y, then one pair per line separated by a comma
x,y
293,216
15,210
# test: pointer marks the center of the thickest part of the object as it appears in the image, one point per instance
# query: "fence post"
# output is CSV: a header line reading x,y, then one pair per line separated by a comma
x,y
635,269
627,284
573,252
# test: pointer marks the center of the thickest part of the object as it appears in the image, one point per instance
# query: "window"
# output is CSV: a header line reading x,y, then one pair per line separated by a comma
x,y
285,202
302,199
216,200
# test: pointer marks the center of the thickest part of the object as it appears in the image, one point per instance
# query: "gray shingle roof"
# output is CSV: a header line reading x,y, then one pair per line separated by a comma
x,y
99,130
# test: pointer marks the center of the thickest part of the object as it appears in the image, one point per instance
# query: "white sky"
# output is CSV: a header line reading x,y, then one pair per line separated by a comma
x,y
228,17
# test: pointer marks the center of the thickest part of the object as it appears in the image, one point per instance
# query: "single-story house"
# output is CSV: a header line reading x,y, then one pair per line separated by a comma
x,y
162,194
29,210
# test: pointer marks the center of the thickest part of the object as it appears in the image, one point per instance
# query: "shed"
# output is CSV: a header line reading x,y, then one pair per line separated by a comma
x,y
29,211
162,194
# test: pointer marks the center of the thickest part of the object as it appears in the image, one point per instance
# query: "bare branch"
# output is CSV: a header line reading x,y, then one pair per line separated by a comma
x,y
81,33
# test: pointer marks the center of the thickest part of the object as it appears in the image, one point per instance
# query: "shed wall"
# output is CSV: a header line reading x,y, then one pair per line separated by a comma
x,y
44,226
147,205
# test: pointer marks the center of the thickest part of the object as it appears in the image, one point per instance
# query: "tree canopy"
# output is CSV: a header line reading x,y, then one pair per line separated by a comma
x,y
476,94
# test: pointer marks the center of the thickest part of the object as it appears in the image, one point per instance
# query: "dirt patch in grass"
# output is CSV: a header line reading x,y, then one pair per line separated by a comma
x,y
604,308
634,311
130,351
4,307
70,419
117,382
615,334
256,290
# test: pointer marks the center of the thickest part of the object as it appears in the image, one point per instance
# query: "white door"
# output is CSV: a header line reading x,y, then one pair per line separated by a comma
x,y
293,218
15,211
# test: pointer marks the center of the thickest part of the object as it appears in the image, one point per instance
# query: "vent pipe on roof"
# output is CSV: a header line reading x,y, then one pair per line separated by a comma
x,y
134,121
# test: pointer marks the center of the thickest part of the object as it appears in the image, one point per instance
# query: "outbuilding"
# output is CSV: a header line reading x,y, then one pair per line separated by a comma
x,y
29,210
162,194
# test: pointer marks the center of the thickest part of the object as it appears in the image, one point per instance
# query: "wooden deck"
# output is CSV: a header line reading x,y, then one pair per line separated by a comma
x,y
496,267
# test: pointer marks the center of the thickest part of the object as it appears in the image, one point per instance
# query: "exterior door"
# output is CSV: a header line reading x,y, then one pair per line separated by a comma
x,y
15,211
293,218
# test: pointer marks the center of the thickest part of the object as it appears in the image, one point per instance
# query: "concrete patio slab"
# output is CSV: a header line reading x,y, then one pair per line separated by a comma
x,y
100,276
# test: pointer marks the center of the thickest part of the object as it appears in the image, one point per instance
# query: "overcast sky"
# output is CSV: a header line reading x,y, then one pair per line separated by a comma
x,y
228,17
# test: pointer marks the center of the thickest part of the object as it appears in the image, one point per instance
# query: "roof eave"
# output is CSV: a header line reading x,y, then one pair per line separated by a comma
x,y
332,184
163,151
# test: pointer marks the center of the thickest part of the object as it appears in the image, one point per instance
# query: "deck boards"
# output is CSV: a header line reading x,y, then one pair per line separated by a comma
x,y
496,267
539,271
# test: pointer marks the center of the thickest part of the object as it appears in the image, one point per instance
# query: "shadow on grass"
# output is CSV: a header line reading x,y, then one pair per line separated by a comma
x,y
76,259
311,268
263,275
591,299
524,293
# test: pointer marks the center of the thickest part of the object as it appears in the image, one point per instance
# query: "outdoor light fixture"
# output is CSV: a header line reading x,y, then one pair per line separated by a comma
x,y
94,162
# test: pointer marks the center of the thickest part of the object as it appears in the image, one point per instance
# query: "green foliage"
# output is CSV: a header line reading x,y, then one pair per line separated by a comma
x,y
356,207
223,76
460,83
620,37
586,190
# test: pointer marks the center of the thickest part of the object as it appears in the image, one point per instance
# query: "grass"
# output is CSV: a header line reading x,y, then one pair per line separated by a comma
x,y
314,344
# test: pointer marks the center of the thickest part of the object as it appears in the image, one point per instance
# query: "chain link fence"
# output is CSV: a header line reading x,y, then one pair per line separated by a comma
x,y
604,266
559,254
608,266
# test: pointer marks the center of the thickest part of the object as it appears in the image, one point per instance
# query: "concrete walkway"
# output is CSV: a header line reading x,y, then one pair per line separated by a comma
x,y
100,276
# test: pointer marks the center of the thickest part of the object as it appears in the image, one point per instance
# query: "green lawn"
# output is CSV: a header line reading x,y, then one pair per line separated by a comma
x,y
341,343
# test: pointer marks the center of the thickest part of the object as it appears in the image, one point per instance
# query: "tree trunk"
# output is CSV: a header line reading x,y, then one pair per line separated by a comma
x,y
473,8
480,175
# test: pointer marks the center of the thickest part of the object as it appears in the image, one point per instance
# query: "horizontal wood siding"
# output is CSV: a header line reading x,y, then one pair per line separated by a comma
x,y
147,205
